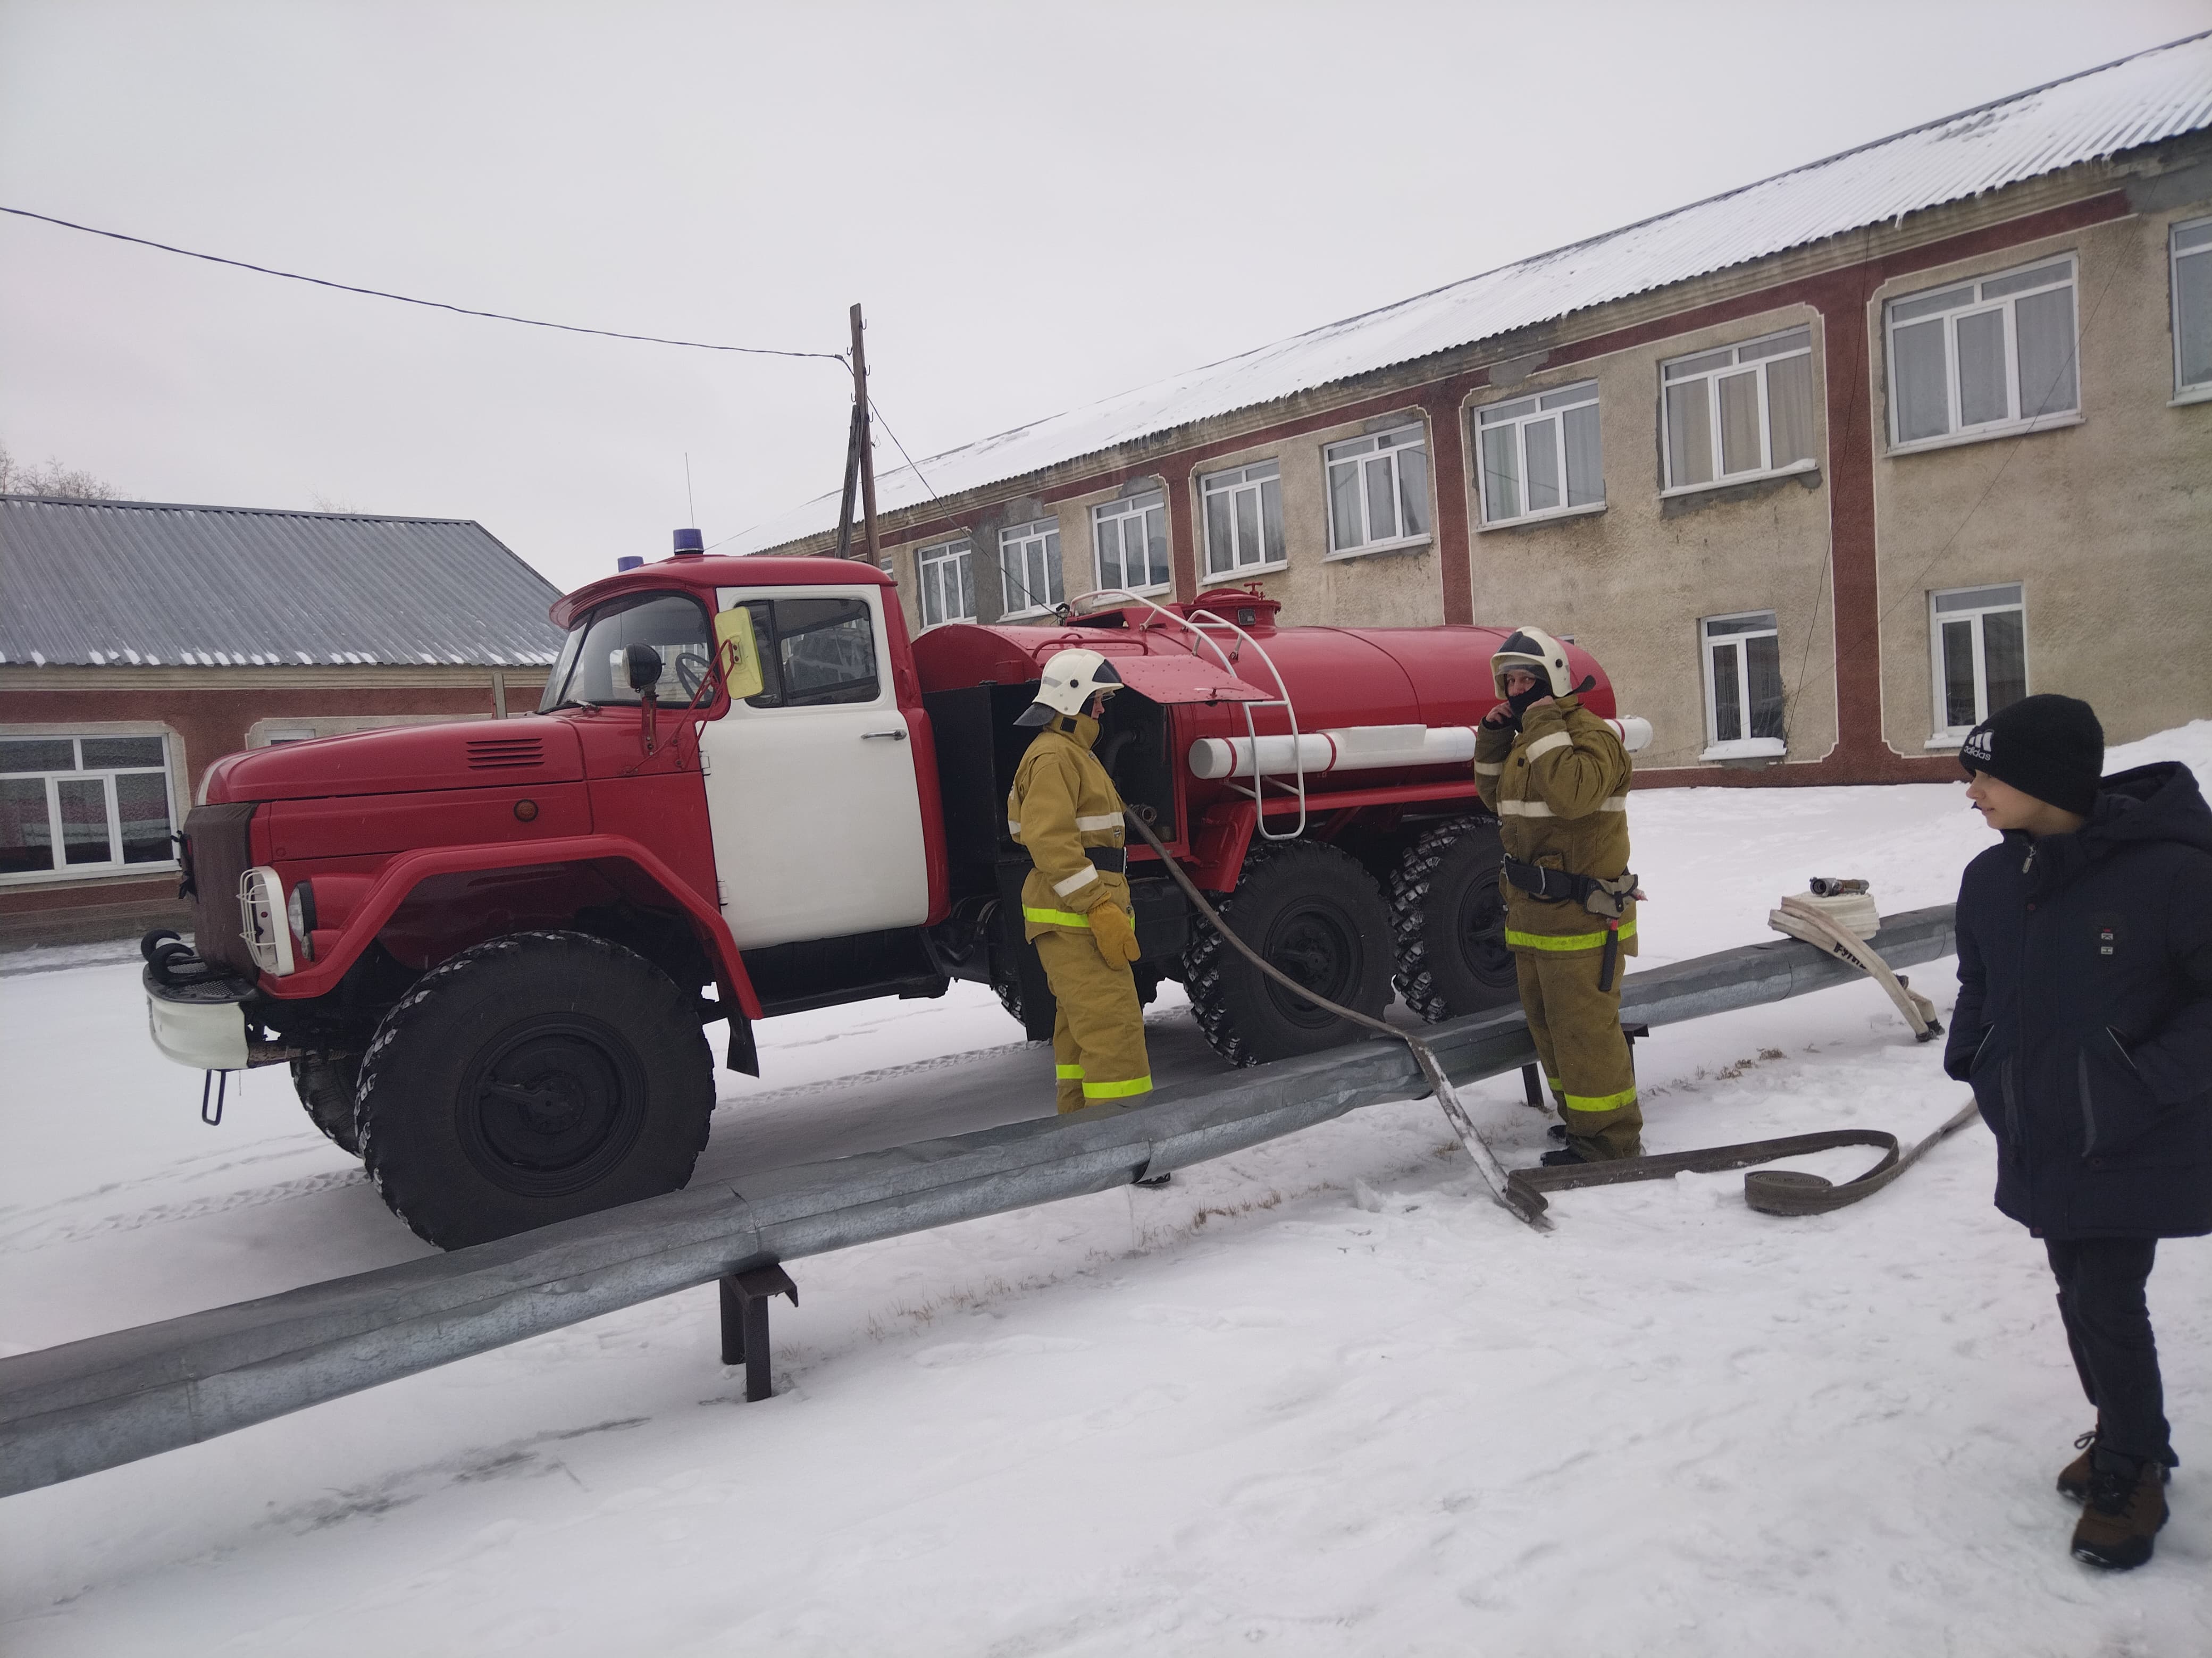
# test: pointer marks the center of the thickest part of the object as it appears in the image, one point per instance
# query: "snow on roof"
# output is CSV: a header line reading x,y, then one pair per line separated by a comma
x,y
2154,95
84,582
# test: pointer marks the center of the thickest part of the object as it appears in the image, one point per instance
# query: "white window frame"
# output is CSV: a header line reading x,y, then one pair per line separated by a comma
x,y
1362,454
1970,304
1715,363
1746,747
1252,478
1034,547
1148,508
1948,736
2188,239
937,566
1518,415
78,735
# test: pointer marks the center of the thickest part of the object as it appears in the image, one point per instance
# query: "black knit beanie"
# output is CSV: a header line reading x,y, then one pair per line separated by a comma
x,y
2050,747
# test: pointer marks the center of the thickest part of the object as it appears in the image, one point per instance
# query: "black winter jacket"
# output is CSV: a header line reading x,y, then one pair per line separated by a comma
x,y
2084,1019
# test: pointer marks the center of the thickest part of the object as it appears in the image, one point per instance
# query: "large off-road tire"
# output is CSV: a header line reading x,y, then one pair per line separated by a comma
x,y
1448,919
537,1077
1313,911
326,1085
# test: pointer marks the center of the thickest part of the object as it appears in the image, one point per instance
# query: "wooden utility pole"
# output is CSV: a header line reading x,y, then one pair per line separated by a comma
x,y
862,427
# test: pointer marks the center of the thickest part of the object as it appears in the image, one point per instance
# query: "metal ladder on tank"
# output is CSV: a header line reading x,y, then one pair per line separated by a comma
x,y
1201,626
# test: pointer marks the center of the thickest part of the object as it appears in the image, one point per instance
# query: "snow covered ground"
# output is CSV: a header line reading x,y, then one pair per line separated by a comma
x,y
1316,1398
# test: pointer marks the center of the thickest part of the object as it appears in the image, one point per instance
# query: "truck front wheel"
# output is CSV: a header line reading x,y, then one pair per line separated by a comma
x,y
326,1085
1313,913
1448,916
535,1078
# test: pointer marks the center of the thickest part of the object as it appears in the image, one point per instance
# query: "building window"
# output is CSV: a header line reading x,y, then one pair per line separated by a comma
x,y
1029,565
1243,518
1990,356
1540,455
83,804
1743,684
1378,489
2193,308
1740,412
1131,538
1980,638
947,575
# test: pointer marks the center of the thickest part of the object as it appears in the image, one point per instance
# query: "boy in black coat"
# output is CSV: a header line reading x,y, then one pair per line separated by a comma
x,y
2084,1023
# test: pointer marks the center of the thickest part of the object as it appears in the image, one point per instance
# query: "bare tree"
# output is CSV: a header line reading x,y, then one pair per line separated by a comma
x,y
51,479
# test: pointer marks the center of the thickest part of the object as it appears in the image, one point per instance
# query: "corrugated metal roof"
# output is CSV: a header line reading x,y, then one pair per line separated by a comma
x,y
2154,95
93,583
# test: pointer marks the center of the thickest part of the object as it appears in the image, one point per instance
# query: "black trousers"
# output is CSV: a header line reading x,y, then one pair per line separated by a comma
x,y
2101,1296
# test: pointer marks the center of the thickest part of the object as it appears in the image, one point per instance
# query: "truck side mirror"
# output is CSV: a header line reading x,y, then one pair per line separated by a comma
x,y
642,663
737,654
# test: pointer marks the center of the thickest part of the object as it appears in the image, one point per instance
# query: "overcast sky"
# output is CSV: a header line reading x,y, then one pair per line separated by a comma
x,y
1040,204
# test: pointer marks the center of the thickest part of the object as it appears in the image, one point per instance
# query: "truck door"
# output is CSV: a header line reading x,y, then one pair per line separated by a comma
x,y
811,791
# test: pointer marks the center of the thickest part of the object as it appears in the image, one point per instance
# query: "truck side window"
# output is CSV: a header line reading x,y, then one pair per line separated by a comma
x,y
824,652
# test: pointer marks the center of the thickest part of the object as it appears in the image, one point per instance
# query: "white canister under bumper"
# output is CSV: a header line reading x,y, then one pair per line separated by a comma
x,y
201,1026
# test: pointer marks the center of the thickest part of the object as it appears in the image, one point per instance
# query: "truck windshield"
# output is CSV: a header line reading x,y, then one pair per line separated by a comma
x,y
593,671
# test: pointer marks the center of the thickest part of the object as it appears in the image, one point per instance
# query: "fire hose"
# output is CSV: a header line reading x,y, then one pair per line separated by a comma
x,y
1770,1191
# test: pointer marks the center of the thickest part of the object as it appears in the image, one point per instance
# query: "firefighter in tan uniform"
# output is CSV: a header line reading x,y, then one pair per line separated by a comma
x,y
1064,812
1558,778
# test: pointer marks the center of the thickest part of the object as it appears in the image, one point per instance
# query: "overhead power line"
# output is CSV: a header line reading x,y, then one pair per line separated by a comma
x,y
408,299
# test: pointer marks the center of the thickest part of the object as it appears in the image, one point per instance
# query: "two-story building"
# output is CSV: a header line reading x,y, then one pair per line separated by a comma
x,y
1824,469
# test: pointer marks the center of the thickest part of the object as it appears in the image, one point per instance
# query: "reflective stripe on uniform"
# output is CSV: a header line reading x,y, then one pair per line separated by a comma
x,y
1014,828
1107,821
1069,1073
1483,768
1538,808
1082,878
1117,1091
1562,940
1601,1102
1054,917
1544,746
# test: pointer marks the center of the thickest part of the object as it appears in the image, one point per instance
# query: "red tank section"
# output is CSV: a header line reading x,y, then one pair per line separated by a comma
x,y
1336,677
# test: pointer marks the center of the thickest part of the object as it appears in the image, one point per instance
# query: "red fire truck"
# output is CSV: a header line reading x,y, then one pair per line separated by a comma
x,y
490,951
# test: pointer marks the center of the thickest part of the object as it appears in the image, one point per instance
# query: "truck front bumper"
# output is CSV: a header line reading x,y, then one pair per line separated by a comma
x,y
201,1023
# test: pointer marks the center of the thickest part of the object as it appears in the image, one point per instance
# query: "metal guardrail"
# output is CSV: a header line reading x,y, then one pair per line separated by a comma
x,y
96,1404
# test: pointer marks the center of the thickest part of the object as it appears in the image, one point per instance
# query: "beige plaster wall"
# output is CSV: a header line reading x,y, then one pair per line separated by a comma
x,y
1631,582
2107,525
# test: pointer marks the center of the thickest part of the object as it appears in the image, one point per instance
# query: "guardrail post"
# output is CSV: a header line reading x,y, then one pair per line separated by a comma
x,y
744,1298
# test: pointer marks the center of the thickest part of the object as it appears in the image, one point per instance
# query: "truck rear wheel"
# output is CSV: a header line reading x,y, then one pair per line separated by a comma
x,y
326,1085
535,1078
1448,918
1313,911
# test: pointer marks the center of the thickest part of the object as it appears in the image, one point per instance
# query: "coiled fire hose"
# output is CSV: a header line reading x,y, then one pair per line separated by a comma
x,y
1770,1191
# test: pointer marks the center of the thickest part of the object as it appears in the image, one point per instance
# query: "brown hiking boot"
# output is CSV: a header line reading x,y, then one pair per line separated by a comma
x,y
2074,1479
2125,1508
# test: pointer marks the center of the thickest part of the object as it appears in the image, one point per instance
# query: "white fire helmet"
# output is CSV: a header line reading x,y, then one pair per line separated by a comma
x,y
1536,651
1070,679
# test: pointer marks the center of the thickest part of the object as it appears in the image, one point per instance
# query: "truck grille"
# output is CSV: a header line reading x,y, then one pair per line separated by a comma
x,y
505,753
220,850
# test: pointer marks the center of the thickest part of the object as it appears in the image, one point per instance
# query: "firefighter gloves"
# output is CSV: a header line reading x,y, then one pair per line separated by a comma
x,y
1115,932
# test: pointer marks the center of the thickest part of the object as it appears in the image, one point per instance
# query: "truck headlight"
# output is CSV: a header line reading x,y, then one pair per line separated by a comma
x,y
299,910
261,914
